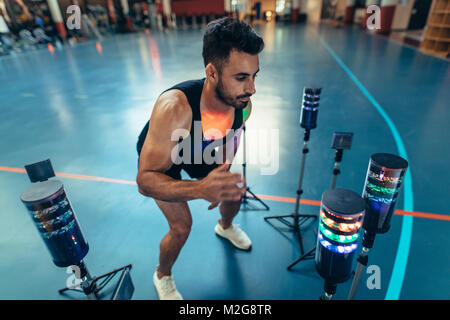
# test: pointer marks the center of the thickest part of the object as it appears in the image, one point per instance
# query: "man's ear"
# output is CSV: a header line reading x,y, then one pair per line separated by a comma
x,y
212,73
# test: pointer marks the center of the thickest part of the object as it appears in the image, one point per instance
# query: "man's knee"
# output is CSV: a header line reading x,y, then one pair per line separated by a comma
x,y
181,231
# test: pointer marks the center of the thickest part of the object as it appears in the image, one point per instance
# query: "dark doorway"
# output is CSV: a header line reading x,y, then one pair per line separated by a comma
x,y
419,14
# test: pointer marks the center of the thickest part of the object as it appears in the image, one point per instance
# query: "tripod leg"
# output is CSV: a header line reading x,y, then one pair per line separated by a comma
x,y
255,197
74,288
300,240
303,257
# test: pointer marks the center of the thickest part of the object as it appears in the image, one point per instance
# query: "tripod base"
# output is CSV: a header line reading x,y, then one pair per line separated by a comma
x,y
246,206
91,288
307,256
299,220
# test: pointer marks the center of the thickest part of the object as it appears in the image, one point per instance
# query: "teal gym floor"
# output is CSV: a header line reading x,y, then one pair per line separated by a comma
x,y
84,106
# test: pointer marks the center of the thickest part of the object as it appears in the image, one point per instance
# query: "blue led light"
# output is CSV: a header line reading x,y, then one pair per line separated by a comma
x,y
338,249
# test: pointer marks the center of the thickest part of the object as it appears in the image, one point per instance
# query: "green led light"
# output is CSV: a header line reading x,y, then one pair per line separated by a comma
x,y
245,113
379,189
336,237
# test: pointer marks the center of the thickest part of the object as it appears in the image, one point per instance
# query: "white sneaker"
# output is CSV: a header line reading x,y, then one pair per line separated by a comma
x,y
166,288
235,234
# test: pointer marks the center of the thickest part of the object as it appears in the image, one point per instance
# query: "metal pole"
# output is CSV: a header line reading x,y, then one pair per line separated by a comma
x,y
362,262
336,171
335,174
86,283
302,169
300,182
330,290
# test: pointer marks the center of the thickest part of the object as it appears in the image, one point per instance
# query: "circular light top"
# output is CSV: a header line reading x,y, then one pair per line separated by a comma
x,y
343,202
389,161
41,191
315,90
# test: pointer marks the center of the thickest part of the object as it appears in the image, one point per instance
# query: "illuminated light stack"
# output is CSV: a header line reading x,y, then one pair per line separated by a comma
x,y
384,180
341,215
53,216
56,222
310,107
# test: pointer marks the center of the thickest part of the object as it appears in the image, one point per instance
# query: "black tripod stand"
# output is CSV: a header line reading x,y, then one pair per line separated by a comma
x,y
246,205
308,121
340,141
298,219
90,287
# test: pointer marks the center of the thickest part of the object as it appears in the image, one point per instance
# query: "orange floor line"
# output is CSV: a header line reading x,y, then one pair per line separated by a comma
x,y
423,215
290,200
417,214
75,176
399,212
92,178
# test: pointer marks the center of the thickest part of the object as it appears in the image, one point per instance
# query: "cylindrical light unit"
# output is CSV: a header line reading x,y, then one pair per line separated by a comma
x,y
341,215
56,222
383,182
310,107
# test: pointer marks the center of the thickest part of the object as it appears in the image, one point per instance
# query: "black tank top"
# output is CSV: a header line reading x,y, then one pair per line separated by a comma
x,y
193,91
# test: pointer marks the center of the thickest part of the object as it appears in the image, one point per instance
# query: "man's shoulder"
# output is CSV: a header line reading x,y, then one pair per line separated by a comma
x,y
173,104
173,97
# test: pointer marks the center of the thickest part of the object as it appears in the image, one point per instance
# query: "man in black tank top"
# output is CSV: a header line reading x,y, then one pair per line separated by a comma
x,y
193,127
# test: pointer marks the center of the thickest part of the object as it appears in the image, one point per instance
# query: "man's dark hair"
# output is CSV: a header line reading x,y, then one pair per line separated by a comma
x,y
226,34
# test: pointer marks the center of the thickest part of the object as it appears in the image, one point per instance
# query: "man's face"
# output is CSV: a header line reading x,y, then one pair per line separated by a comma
x,y
237,79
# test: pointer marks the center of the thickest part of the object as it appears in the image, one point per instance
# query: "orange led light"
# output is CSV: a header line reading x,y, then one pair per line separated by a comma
x,y
344,227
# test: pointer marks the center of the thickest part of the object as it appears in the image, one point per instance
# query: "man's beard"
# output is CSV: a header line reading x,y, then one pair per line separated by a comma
x,y
223,96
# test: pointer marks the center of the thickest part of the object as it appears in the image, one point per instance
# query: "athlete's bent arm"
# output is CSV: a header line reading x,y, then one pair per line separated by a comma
x,y
171,112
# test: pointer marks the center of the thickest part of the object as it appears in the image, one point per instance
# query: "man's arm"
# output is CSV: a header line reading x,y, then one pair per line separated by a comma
x,y
171,112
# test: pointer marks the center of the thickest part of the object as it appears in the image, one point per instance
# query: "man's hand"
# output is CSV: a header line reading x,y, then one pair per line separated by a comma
x,y
221,185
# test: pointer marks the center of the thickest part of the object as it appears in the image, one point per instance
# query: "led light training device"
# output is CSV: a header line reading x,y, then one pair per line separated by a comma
x,y
341,215
384,180
55,219
308,121
310,107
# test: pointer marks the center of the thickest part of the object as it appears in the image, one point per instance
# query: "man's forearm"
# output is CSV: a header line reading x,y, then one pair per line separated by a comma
x,y
162,187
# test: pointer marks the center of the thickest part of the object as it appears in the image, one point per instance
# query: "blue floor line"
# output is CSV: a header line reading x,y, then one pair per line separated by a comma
x,y
401,258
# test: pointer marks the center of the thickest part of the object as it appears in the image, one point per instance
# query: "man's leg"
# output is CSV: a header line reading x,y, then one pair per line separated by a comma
x,y
228,210
179,218
226,229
